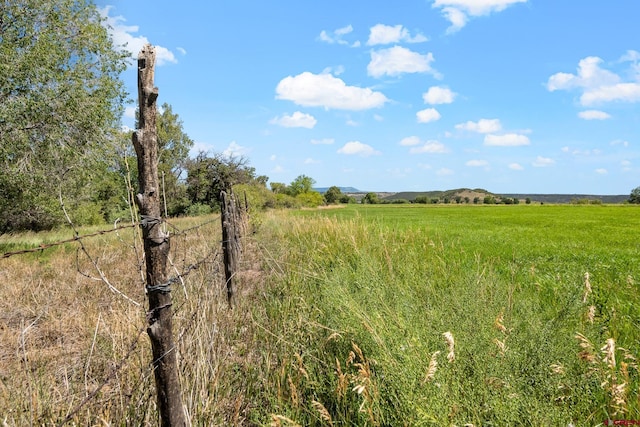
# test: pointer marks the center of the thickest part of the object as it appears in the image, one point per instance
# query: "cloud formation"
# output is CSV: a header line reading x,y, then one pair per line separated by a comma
x,y
386,34
541,162
359,149
481,126
235,150
296,120
336,36
398,60
324,90
429,147
123,37
457,12
598,85
409,141
506,140
428,115
593,115
438,95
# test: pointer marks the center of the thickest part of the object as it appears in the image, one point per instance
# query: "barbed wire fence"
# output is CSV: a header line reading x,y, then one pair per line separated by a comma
x,y
183,264
210,249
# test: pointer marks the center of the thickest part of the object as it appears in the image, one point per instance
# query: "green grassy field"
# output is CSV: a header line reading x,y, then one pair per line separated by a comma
x,y
448,315
390,315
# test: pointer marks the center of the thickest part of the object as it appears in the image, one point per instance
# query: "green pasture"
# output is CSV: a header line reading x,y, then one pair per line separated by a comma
x,y
539,300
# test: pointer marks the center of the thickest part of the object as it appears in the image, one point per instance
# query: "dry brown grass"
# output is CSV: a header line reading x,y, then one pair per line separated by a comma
x,y
72,347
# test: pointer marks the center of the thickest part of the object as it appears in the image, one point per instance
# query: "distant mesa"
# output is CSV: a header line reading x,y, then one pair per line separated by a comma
x,y
467,195
323,190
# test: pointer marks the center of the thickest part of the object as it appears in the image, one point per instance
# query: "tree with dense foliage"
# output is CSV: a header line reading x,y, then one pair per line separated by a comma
x,y
370,199
208,176
332,195
634,197
302,184
173,149
60,102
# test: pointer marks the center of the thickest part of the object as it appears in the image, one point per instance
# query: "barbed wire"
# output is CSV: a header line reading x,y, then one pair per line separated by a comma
x,y
77,238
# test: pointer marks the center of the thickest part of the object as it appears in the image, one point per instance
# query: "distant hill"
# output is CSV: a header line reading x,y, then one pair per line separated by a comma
x,y
323,190
482,193
462,192
568,198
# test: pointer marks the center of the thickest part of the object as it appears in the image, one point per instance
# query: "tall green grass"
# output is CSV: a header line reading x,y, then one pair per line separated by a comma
x,y
354,323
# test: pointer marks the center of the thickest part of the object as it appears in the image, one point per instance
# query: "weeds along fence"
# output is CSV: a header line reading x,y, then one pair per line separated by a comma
x,y
54,370
73,317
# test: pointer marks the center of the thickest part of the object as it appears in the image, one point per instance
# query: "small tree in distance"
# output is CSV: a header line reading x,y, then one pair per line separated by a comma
x,y
634,197
333,195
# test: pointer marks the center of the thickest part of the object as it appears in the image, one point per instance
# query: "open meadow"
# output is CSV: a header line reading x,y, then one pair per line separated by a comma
x,y
458,315
359,315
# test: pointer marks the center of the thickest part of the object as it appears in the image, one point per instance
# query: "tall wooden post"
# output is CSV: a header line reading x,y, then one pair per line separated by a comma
x,y
156,247
229,253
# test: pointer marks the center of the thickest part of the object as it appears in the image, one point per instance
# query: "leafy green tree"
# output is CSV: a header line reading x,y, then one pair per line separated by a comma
x,y
310,199
346,199
332,195
302,184
421,199
634,197
173,148
60,101
208,176
278,187
370,199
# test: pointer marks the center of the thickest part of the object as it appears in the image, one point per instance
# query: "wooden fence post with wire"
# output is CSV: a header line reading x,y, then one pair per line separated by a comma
x,y
230,241
156,248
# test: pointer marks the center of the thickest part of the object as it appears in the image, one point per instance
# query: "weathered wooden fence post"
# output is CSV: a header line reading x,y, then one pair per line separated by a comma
x,y
156,248
229,242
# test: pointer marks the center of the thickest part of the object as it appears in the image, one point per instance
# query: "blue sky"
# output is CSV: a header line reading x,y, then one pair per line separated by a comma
x,y
528,96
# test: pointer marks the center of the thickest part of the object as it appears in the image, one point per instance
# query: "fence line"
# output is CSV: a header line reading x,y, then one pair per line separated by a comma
x,y
44,246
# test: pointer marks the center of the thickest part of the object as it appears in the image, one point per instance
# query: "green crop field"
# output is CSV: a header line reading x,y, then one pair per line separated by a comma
x,y
453,315
379,315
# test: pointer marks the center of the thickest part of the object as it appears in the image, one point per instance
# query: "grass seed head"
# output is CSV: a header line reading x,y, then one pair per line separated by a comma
x,y
448,337
587,287
433,367
322,410
609,350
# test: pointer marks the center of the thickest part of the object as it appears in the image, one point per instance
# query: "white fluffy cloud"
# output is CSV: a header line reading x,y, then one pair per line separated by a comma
x,y
593,115
624,92
386,34
506,140
597,85
438,95
325,90
122,35
296,120
428,115
235,150
358,148
541,162
457,12
602,171
515,166
399,60
410,141
481,126
431,147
